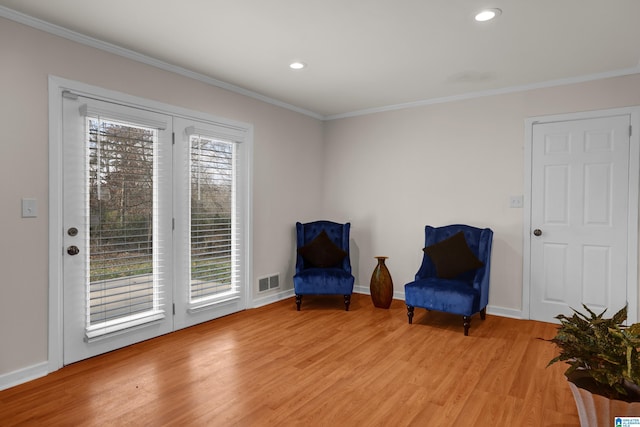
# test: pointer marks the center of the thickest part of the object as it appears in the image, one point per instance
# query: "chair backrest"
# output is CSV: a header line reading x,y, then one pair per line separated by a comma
x,y
338,233
479,241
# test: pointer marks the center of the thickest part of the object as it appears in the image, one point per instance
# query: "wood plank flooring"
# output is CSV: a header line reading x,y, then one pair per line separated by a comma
x,y
322,366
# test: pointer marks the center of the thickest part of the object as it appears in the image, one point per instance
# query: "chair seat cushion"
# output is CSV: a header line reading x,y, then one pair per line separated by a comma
x,y
451,296
323,281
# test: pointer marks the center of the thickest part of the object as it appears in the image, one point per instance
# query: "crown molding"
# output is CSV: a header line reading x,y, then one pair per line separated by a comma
x,y
491,92
139,57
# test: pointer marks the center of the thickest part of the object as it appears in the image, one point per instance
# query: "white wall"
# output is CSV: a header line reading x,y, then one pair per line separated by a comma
x,y
393,173
287,176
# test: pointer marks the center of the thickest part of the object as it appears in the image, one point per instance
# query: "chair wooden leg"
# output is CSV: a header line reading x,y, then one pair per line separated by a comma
x,y
347,302
483,313
467,323
298,302
410,309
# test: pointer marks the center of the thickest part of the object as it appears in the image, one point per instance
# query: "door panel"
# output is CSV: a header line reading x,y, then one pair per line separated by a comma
x,y
208,247
596,278
580,196
117,200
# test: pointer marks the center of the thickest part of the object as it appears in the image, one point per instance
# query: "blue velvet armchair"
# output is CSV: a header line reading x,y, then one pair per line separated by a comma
x,y
323,266
454,275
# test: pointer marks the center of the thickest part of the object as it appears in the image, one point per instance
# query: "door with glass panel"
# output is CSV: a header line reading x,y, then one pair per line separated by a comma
x,y
117,260
210,205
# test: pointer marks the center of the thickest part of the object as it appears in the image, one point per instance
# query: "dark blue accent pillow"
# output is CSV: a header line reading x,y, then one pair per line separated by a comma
x,y
452,256
321,252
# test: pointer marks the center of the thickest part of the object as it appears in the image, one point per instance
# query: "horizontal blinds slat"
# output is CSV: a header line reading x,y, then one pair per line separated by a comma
x,y
221,233
202,285
216,255
98,298
117,247
124,270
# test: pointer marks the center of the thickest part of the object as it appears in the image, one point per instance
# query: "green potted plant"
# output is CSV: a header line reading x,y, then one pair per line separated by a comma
x,y
604,364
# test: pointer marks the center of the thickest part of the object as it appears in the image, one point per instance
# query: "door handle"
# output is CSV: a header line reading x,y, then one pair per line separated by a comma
x,y
537,232
73,250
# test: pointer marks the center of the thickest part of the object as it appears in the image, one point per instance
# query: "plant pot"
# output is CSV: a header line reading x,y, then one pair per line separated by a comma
x,y
596,411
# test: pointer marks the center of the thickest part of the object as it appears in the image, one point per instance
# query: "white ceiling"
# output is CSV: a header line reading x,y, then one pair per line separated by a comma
x,y
365,55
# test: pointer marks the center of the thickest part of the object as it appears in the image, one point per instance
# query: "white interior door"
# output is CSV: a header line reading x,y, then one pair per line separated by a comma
x,y
579,216
117,226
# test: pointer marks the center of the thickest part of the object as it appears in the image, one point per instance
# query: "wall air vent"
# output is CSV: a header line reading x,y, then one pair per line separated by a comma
x,y
263,284
274,281
269,282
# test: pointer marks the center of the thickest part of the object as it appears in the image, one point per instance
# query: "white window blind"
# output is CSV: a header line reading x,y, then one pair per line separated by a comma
x,y
123,289
214,261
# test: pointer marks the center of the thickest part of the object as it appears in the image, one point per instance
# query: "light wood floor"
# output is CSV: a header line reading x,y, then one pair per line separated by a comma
x,y
322,366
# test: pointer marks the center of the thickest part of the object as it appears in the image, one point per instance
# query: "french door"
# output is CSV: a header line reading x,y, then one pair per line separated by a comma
x,y
151,224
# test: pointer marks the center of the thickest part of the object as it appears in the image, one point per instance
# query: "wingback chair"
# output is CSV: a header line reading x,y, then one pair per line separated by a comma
x,y
454,275
323,266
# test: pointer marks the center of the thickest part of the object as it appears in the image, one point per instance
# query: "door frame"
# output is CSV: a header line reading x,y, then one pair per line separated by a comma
x,y
56,87
632,217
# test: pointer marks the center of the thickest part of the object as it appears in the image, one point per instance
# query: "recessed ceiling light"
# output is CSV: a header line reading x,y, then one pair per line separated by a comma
x,y
297,65
488,14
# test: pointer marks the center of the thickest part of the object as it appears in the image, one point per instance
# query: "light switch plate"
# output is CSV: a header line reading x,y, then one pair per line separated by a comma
x,y
29,208
516,201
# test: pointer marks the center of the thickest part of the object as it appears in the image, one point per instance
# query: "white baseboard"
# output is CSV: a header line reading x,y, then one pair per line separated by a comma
x,y
271,298
504,312
361,290
23,375
358,289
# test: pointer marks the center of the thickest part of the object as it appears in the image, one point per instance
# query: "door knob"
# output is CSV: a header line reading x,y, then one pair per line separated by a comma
x,y
537,232
73,250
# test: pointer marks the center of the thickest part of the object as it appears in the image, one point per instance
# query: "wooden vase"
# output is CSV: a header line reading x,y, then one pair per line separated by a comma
x,y
381,285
